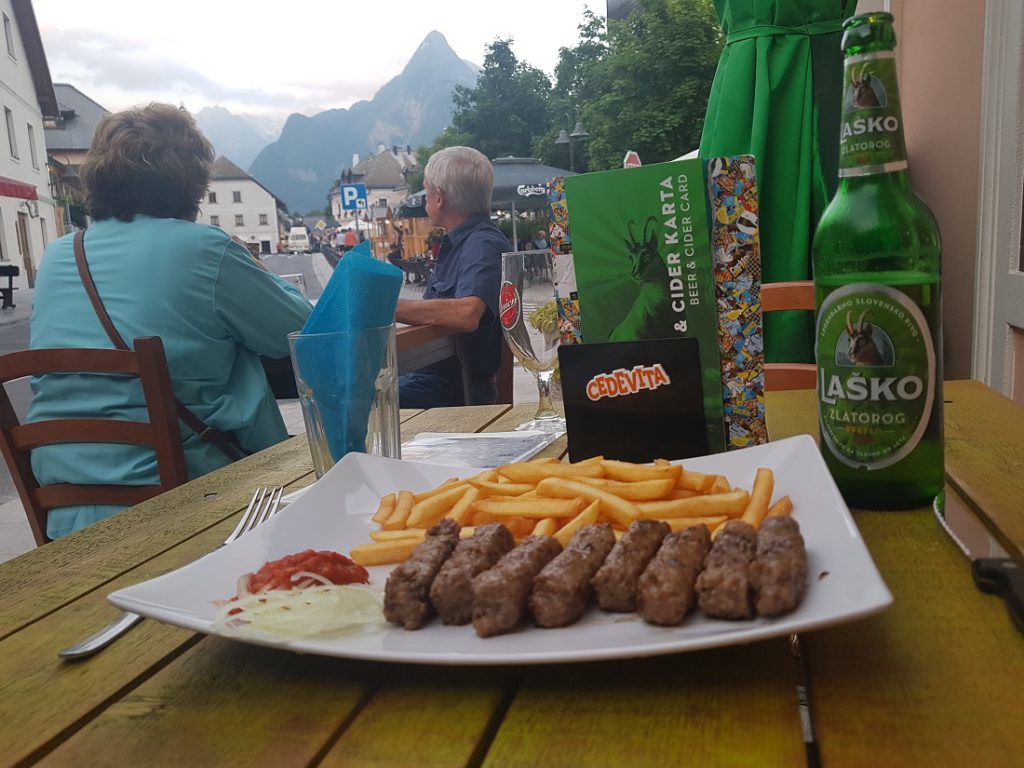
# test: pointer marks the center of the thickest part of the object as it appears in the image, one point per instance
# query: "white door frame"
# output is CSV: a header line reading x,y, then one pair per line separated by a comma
x,y
999,283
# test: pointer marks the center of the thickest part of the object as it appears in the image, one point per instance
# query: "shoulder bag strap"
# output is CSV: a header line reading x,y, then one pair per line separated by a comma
x,y
213,436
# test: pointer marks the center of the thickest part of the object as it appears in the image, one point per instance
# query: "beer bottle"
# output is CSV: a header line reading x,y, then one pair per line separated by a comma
x,y
876,255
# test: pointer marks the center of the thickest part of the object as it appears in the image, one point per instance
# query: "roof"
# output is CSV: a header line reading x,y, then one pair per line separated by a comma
x,y
385,170
81,115
225,170
37,64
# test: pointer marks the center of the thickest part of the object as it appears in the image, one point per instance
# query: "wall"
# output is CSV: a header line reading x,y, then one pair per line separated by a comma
x,y
255,200
17,93
939,57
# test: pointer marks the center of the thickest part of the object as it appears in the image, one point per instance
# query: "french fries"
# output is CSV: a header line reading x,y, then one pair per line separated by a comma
x,y
545,497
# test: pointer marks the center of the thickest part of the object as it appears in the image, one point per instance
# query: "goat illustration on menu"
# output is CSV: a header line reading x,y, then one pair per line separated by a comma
x,y
651,311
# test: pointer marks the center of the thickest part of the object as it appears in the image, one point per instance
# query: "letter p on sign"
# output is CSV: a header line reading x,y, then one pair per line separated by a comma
x,y
353,197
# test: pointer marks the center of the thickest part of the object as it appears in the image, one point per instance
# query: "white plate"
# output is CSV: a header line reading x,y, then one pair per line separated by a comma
x,y
335,514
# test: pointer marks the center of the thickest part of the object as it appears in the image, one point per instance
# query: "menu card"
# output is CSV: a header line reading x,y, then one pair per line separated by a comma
x,y
643,265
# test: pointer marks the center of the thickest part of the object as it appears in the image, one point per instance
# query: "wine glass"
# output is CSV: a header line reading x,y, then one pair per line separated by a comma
x,y
529,319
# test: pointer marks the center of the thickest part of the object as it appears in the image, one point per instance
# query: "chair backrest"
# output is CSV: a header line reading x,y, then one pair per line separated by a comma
x,y
777,297
161,433
503,378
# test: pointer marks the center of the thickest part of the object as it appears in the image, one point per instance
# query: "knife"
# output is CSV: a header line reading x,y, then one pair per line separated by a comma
x,y
994,571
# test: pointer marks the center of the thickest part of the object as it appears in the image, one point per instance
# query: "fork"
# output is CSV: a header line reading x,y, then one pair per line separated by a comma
x,y
265,503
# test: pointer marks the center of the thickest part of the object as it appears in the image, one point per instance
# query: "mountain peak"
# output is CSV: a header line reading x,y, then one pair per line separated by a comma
x,y
410,109
432,53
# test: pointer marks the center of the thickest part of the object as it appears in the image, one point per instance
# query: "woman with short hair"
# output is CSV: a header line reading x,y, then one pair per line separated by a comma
x,y
157,273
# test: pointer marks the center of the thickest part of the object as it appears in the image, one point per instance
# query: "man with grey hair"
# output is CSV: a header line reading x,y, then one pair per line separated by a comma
x,y
462,293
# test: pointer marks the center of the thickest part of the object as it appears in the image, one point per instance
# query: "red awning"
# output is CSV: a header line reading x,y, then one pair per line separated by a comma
x,y
13,188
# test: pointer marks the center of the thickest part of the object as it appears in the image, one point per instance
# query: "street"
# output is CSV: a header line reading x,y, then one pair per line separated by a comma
x,y
14,337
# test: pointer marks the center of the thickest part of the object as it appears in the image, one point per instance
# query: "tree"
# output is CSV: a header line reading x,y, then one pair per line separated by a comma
x,y
649,91
575,84
507,108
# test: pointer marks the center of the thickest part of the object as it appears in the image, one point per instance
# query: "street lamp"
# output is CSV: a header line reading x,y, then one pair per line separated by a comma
x,y
578,134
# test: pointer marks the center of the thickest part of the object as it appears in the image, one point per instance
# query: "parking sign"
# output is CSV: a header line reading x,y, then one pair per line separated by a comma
x,y
353,197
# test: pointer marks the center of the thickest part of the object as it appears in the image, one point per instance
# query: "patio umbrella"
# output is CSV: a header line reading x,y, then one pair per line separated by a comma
x,y
413,207
777,94
519,184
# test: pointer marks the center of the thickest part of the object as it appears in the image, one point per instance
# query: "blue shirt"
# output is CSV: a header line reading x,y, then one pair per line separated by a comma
x,y
469,264
216,312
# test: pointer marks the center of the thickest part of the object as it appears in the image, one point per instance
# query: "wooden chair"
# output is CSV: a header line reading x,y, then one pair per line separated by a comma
x,y
775,297
504,375
147,363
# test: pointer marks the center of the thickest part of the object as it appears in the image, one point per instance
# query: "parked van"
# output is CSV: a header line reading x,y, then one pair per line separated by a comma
x,y
298,240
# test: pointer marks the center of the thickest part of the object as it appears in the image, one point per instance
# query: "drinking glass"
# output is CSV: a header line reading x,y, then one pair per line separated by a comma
x,y
529,319
348,388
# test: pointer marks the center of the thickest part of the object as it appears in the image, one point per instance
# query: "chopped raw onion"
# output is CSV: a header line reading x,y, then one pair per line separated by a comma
x,y
296,613
314,578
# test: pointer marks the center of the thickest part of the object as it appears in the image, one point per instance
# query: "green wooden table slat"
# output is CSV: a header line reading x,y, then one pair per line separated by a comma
x,y
210,708
41,696
47,578
441,717
933,680
728,706
985,457
937,675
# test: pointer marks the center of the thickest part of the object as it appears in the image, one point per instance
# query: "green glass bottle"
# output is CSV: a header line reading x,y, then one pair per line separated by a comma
x,y
877,278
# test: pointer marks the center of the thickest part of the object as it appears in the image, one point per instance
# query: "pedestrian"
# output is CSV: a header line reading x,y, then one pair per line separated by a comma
x,y
349,240
462,291
157,273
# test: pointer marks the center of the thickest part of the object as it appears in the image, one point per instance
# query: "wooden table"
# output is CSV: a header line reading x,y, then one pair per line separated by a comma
x,y
934,680
422,345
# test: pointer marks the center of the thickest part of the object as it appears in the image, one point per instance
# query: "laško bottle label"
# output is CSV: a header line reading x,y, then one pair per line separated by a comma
x,y
871,136
876,374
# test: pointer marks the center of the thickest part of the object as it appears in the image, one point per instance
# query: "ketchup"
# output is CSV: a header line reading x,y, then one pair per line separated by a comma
x,y
335,567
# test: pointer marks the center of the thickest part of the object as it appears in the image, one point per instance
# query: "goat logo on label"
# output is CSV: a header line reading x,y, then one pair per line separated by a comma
x,y
508,305
863,345
651,314
865,90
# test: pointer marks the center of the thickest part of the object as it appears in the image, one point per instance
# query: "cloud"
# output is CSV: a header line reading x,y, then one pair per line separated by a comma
x,y
115,64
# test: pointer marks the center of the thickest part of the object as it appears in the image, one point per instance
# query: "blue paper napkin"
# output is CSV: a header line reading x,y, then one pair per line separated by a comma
x,y
342,370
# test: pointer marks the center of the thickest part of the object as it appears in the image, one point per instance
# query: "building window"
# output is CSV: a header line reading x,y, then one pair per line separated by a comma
x,y
239,222
9,35
11,140
215,221
32,145
263,219
237,196
213,197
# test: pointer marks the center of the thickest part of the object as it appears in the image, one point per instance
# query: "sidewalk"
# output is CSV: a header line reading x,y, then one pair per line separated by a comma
x,y
22,310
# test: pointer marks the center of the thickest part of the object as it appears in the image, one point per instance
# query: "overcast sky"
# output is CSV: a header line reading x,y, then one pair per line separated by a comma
x,y
275,59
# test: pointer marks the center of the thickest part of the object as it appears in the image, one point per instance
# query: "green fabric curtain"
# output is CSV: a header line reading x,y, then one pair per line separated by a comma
x,y
777,94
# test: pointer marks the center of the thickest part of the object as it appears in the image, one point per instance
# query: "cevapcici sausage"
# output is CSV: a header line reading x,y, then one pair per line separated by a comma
x,y
665,592
615,582
561,590
407,591
723,587
779,571
500,594
452,592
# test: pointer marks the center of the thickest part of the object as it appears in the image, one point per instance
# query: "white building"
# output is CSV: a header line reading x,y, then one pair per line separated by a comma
x,y
26,96
241,206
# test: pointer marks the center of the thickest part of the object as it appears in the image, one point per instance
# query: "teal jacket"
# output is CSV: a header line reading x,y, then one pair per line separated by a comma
x,y
216,312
